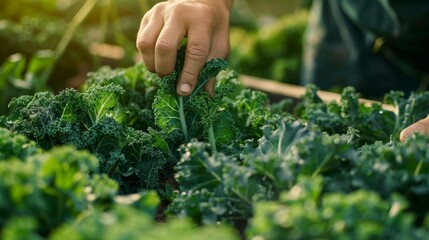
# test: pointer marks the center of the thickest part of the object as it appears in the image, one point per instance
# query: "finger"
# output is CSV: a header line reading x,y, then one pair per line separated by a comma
x,y
146,41
210,86
197,49
166,47
219,50
221,45
143,24
421,126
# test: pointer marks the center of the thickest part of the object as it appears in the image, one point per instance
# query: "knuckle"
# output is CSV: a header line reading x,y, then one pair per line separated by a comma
x,y
164,46
205,16
158,8
189,74
196,52
154,12
144,44
205,10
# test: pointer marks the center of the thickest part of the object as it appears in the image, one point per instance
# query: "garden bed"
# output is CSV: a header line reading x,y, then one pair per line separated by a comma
x,y
236,166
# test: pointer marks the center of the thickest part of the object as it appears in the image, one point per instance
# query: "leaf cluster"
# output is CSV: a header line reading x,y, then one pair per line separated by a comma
x,y
347,192
358,215
101,120
326,170
46,189
228,187
58,194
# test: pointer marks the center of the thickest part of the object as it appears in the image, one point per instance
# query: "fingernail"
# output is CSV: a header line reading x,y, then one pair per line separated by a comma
x,y
185,88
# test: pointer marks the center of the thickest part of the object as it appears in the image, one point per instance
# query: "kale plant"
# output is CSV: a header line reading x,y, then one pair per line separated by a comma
x,y
100,119
306,212
194,116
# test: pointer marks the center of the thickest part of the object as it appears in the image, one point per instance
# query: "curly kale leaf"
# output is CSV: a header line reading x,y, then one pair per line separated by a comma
x,y
16,145
139,86
198,111
397,167
137,223
44,118
102,101
205,193
48,187
250,110
93,120
167,112
358,215
210,70
197,166
409,110
372,122
287,151
143,161
291,149
70,117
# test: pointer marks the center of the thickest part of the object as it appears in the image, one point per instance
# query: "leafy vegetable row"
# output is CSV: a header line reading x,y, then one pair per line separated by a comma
x,y
320,170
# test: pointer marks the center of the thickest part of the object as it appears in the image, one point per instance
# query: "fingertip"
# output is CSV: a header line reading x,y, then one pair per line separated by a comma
x,y
406,132
162,73
184,89
403,135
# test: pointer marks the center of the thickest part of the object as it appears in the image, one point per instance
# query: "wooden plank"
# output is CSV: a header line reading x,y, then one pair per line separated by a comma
x,y
295,91
107,50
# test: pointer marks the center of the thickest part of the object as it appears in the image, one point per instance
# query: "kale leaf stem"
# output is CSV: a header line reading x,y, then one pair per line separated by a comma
x,y
321,166
212,139
418,167
183,119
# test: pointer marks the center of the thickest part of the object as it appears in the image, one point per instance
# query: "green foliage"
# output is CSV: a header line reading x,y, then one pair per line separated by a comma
x,y
410,109
140,87
400,168
46,189
15,145
210,200
126,223
58,194
32,37
305,212
218,187
14,11
274,51
251,112
98,119
19,78
371,123
193,116
228,188
322,170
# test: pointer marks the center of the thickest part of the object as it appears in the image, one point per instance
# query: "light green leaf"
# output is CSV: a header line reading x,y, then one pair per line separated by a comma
x,y
166,111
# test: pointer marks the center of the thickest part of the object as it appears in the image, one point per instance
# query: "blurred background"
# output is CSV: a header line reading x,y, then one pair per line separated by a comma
x,y
53,44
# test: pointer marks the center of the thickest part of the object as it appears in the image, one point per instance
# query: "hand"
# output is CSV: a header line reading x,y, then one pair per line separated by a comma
x,y
421,126
205,24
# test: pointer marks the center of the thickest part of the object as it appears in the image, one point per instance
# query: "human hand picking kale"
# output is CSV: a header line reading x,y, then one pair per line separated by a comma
x,y
205,24
421,126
